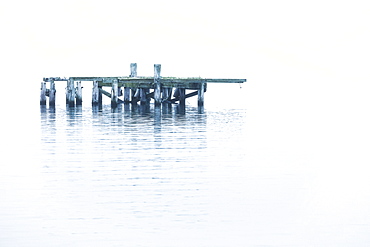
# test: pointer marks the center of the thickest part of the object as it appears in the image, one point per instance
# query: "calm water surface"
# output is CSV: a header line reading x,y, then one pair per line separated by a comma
x,y
169,177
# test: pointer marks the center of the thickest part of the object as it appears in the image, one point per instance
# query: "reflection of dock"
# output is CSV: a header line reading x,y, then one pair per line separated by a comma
x,y
135,88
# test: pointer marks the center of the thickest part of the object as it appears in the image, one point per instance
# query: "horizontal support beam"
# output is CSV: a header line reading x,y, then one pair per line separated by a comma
x,y
151,85
109,95
186,96
172,80
105,81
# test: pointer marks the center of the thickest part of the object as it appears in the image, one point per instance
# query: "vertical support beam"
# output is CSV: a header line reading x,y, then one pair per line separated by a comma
x,y
70,92
201,94
157,84
52,93
142,95
176,93
95,93
43,93
126,93
100,94
167,93
78,93
147,91
134,95
114,93
182,96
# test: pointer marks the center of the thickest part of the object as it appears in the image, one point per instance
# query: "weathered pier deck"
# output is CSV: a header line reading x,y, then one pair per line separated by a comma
x,y
135,88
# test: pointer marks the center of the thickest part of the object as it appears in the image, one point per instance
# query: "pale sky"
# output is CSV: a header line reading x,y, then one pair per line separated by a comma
x,y
189,38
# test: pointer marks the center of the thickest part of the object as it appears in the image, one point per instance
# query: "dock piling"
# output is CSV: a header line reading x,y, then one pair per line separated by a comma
x,y
201,95
70,93
114,93
52,93
95,93
182,96
126,95
43,93
78,93
157,83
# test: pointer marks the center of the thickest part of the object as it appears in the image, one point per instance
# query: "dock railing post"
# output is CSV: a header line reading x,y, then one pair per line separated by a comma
x,y
78,93
126,93
70,92
52,93
157,84
114,93
43,93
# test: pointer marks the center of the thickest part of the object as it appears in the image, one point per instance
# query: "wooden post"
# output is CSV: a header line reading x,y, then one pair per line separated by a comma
x,y
142,95
52,93
100,95
126,93
176,93
70,93
133,70
182,96
43,93
134,95
95,93
201,95
78,93
157,84
166,94
114,93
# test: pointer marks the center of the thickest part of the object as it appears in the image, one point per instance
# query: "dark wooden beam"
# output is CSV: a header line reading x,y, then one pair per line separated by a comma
x,y
186,96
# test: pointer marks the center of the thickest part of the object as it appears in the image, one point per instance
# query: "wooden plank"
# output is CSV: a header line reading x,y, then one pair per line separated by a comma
x,y
48,79
92,78
179,80
107,81
186,96
108,95
105,93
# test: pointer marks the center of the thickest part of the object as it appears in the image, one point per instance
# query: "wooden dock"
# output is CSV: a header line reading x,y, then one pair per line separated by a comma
x,y
135,88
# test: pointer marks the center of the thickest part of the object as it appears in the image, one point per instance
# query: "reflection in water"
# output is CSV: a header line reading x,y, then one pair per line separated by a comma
x,y
132,176
127,168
